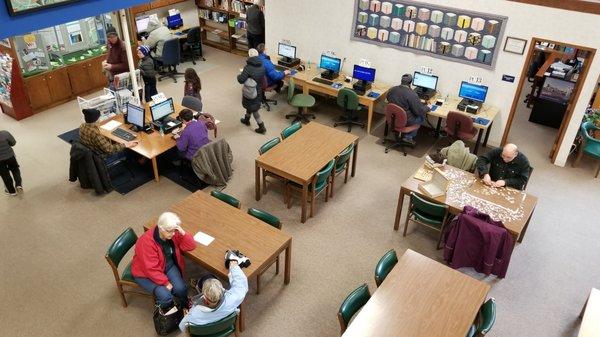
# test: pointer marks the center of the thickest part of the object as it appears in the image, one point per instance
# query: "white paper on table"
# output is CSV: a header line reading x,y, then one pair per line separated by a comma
x,y
111,125
203,238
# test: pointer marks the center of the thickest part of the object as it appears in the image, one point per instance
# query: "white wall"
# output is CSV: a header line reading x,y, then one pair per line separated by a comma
x,y
188,10
318,25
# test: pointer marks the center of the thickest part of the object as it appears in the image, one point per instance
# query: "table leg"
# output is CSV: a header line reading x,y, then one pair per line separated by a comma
x,y
399,209
370,107
305,91
354,158
525,228
479,134
242,316
288,261
257,182
438,126
487,134
155,169
304,198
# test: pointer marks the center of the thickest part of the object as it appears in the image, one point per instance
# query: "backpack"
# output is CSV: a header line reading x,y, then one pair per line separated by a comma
x,y
249,89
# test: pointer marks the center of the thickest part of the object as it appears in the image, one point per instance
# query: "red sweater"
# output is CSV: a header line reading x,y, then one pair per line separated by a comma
x,y
117,56
149,259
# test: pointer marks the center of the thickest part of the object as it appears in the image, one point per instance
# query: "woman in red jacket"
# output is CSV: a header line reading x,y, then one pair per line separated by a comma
x,y
158,264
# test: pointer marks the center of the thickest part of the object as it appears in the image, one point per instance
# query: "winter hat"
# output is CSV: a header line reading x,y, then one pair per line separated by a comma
x,y
111,31
91,115
144,49
406,79
252,52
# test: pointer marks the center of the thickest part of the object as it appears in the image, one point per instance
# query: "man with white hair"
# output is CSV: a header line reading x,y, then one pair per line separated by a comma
x,y
158,263
504,167
216,303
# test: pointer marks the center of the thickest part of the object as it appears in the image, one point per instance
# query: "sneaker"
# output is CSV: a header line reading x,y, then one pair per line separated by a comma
x,y
19,189
8,193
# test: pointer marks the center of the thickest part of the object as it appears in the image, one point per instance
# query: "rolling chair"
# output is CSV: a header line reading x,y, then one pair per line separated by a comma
x,y
460,126
170,58
348,100
266,88
299,101
395,118
193,44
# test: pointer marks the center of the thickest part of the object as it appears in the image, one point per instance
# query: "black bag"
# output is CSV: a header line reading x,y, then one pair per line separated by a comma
x,y
165,324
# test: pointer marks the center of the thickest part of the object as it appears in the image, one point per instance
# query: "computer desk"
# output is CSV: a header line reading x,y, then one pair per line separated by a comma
x,y
487,111
149,146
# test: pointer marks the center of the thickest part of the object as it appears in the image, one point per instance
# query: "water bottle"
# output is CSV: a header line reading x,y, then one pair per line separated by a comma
x,y
161,131
308,65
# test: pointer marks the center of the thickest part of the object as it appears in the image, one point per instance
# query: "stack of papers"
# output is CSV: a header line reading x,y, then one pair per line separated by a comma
x,y
203,238
111,125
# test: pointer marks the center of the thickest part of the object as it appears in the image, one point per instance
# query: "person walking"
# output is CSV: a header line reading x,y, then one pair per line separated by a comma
x,y
9,165
255,24
251,77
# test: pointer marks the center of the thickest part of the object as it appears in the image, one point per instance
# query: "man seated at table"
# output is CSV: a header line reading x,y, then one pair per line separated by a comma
x,y
504,167
274,76
405,97
216,303
90,136
158,34
193,136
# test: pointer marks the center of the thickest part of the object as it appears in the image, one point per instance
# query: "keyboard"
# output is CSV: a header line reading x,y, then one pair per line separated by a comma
x,y
322,81
280,68
125,135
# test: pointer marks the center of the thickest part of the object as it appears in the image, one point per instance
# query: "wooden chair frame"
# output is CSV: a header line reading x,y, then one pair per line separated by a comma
x,y
311,196
334,174
441,229
120,283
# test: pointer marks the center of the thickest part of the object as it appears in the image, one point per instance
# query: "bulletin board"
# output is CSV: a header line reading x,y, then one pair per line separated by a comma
x,y
450,33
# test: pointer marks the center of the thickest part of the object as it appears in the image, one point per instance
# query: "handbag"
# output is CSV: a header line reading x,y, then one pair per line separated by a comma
x,y
165,324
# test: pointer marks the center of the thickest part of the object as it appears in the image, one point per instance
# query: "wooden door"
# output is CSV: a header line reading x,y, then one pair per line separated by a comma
x,y
79,78
159,3
97,77
59,85
37,91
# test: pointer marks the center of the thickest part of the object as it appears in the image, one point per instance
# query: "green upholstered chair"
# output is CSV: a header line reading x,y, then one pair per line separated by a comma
x,y
428,214
226,198
269,145
342,164
273,221
321,182
385,265
299,101
590,146
114,256
472,331
486,317
348,100
356,300
222,328
263,149
290,130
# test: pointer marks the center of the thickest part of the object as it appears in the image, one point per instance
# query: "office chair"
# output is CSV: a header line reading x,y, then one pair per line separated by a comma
x,y
170,58
266,88
460,126
395,118
299,101
193,44
348,100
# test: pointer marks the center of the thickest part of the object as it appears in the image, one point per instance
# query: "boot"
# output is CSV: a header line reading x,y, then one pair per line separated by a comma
x,y
245,120
261,129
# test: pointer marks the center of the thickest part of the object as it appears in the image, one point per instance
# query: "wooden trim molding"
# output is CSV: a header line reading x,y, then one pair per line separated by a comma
x,y
585,6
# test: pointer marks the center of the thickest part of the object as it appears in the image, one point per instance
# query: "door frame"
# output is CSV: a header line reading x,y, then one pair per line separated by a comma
x,y
571,105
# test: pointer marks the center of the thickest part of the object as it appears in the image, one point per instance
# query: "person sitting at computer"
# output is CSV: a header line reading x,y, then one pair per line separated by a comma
x,y
274,76
215,302
90,136
157,35
404,97
504,167
193,136
158,264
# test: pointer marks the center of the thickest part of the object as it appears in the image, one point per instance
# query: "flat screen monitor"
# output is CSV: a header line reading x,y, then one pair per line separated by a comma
x,y
286,50
472,91
135,115
162,109
364,73
141,23
330,63
425,81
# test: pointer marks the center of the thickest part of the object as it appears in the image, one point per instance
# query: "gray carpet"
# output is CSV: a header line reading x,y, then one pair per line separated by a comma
x,y
54,280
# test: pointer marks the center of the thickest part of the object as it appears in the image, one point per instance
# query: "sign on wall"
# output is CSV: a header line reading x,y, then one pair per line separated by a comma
x,y
443,32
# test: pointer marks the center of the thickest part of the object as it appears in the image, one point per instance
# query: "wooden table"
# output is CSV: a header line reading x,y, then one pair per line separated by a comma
x,y
514,211
420,297
487,111
590,326
232,228
150,145
300,157
305,80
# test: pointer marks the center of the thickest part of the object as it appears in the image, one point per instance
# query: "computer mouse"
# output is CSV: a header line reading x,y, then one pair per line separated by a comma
x,y
348,79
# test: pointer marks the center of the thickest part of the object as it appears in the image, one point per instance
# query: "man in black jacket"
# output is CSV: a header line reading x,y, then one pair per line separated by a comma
x,y
504,167
404,97
255,25
252,77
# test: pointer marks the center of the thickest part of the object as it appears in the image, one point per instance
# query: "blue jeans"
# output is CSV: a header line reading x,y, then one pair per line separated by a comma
x,y
163,295
412,120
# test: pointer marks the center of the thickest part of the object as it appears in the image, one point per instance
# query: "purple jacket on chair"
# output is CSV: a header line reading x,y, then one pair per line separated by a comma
x,y
473,239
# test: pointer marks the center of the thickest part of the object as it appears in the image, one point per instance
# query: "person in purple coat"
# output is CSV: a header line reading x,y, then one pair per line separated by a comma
x,y
193,136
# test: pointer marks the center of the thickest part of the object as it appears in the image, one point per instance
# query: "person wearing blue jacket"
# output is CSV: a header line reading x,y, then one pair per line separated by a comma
x,y
274,76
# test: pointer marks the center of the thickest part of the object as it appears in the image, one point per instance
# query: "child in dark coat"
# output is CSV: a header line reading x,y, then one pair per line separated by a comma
x,y
148,73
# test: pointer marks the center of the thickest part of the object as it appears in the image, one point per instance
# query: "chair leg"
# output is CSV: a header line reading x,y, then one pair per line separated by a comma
x,y
347,170
289,197
264,182
579,155
312,204
122,293
277,265
332,184
406,224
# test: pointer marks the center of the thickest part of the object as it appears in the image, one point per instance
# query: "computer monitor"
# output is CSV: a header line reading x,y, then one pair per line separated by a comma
x,y
135,116
161,110
285,50
141,23
363,73
332,64
472,92
425,81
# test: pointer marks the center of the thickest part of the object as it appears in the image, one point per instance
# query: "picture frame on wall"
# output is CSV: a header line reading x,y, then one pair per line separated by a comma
x,y
515,45
18,7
